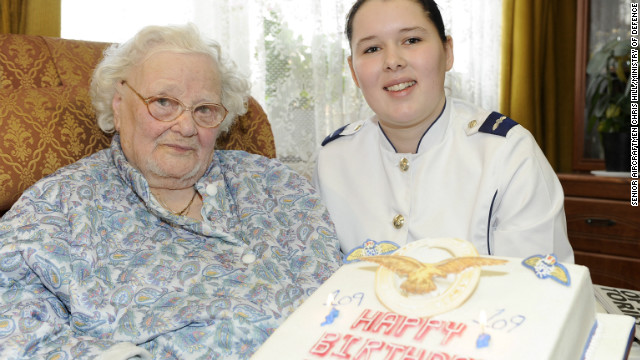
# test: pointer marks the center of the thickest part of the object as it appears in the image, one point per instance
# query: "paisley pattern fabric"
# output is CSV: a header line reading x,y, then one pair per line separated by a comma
x,y
89,259
48,120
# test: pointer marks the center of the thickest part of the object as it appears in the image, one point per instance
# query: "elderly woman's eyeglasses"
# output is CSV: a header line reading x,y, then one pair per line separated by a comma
x,y
166,109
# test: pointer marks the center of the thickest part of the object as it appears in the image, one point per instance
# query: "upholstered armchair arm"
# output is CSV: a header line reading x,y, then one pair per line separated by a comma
x,y
250,132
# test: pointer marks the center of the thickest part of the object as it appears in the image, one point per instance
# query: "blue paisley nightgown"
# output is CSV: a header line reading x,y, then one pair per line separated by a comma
x,y
91,265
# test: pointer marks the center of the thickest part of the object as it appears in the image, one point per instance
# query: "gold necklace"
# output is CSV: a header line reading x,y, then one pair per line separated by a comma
x,y
183,211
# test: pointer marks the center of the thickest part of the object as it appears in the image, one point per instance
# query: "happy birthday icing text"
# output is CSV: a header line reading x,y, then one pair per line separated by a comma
x,y
349,346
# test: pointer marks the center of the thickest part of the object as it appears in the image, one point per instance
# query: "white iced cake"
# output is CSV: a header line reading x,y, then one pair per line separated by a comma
x,y
431,300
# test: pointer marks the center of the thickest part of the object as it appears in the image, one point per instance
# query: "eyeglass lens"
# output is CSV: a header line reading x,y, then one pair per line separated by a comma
x,y
167,109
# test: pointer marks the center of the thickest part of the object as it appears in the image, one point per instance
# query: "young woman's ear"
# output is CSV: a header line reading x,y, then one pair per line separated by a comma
x,y
353,72
448,49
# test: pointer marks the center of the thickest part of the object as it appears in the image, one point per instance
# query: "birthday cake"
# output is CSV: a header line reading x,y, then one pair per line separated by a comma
x,y
436,299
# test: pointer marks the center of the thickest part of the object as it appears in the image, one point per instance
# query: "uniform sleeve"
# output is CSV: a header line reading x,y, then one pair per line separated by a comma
x,y
527,215
35,321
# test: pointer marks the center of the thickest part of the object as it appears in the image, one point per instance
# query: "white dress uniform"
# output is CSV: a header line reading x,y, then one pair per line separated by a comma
x,y
477,175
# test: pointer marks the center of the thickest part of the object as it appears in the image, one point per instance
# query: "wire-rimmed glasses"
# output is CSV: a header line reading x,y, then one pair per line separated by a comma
x,y
167,109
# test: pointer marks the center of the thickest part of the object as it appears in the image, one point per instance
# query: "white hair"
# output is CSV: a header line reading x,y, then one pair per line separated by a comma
x,y
120,58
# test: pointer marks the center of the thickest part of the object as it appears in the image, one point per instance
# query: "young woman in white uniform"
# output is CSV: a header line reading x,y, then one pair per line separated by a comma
x,y
425,165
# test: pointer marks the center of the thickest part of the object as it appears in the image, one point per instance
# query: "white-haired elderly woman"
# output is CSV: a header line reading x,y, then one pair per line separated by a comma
x,y
159,246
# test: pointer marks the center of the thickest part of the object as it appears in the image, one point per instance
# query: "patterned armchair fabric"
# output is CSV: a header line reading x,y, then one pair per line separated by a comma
x,y
250,132
46,116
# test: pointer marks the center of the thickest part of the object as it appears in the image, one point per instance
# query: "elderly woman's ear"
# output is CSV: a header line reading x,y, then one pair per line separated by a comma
x,y
115,104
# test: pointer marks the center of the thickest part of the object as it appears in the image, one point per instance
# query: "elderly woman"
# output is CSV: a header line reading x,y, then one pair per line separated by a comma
x,y
159,247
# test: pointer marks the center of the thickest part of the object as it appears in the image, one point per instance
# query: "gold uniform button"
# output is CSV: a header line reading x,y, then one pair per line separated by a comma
x,y
398,221
357,127
472,124
404,164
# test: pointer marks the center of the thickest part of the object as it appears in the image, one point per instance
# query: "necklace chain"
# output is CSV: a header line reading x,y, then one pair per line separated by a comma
x,y
183,211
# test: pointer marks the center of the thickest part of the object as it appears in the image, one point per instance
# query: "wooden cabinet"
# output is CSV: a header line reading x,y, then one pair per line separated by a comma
x,y
604,229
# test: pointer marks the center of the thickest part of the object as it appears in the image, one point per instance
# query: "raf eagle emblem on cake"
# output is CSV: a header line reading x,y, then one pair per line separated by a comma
x,y
430,277
419,275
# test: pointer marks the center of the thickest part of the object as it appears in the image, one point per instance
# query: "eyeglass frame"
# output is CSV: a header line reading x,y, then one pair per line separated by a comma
x,y
150,99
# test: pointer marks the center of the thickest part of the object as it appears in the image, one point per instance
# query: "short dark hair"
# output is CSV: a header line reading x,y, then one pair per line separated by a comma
x,y
430,8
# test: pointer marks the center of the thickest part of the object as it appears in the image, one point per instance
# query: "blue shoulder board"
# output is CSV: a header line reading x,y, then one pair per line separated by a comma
x,y
497,124
334,135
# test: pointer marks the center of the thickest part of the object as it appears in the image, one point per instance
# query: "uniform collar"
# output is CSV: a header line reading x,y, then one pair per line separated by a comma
x,y
433,135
